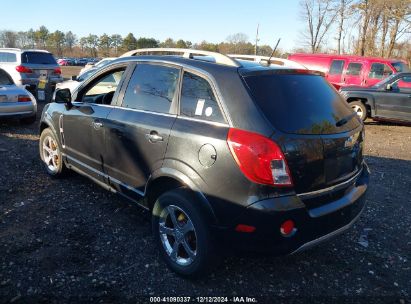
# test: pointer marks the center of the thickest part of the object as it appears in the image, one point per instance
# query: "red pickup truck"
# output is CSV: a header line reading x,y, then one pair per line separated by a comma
x,y
348,70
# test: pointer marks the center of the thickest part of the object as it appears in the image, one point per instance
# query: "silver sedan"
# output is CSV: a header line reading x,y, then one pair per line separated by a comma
x,y
16,102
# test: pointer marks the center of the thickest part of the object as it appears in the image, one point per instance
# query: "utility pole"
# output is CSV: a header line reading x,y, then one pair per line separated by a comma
x,y
256,40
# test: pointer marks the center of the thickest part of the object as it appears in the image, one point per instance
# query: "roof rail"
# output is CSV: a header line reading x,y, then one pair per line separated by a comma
x,y
273,60
187,53
10,49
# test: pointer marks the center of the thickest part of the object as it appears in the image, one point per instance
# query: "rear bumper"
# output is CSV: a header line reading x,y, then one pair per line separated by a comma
x,y
314,223
17,109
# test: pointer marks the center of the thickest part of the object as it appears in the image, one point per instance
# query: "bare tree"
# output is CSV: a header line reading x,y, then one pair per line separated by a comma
x,y
319,16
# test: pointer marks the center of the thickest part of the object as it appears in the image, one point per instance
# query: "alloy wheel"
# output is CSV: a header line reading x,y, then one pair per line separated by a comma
x,y
178,235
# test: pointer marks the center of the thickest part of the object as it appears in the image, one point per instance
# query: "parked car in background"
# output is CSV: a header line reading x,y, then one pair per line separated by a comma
x,y
35,70
224,153
347,70
16,102
389,99
97,64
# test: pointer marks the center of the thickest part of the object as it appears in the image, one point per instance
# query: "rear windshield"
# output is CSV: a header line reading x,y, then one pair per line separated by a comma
x,y
38,58
300,103
400,67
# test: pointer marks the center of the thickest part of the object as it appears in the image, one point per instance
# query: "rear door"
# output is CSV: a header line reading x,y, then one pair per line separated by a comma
x,y
335,74
306,113
353,75
139,129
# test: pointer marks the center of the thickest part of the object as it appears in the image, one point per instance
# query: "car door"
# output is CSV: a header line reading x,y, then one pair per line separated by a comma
x,y
138,130
377,72
82,124
336,72
395,102
353,75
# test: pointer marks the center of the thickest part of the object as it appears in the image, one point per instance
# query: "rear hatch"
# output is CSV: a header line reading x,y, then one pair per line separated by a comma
x,y
315,127
41,64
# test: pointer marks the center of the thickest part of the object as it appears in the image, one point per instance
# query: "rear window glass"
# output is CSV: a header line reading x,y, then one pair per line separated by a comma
x,y
38,58
303,104
400,67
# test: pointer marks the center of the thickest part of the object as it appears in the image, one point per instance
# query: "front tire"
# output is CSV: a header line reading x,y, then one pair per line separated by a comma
x,y
182,234
359,108
50,153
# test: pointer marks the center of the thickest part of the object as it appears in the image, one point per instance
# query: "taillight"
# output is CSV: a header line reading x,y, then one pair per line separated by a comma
x,y
23,98
57,71
260,159
23,69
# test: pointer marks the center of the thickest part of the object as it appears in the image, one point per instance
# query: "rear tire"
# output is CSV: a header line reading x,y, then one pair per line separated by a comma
x,y
359,108
50,153
182,234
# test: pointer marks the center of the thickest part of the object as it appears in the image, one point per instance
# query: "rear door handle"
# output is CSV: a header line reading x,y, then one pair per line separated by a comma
x,y
409,96
153,137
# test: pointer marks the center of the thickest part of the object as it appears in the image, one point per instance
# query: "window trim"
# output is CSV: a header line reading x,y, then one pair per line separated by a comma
x,y
176,97
82,89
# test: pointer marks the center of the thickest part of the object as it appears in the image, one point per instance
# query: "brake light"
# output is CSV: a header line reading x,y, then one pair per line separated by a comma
x,y
57,71
23,98
260,159
23,69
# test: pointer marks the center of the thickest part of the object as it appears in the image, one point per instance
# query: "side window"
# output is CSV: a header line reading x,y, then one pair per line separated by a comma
x,y
354,69
8,57
198,100
151,88
5,78
336,67
102,91
379,71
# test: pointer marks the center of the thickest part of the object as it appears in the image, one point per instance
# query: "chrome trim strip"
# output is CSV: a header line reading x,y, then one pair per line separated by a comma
x,y
125,186
324,191
219,124
327,236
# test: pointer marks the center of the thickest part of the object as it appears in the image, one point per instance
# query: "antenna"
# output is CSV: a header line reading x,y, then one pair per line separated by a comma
x,y
256,40
275,48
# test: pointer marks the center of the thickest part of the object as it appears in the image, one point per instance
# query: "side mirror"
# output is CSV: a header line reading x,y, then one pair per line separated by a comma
x,y
62,96
388,87
74,77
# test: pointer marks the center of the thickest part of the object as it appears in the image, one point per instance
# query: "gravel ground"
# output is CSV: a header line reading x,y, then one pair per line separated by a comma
x,y
71,241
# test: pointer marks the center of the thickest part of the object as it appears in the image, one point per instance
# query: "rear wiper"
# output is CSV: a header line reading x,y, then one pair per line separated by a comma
x,y
344,120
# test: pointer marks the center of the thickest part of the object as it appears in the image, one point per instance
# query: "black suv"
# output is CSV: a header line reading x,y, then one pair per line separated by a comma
x,y
224,151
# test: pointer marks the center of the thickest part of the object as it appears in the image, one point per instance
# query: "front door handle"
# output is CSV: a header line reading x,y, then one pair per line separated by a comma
x,y
409,96
153,137
97,125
